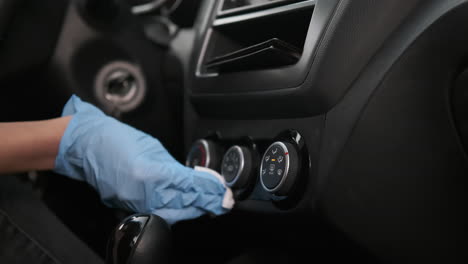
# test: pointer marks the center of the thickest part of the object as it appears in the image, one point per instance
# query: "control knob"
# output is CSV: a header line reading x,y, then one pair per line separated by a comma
x,y
279,168
204,153
236,166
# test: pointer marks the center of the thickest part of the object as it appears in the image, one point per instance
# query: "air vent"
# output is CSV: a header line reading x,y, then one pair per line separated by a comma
x,y
263,39
232,7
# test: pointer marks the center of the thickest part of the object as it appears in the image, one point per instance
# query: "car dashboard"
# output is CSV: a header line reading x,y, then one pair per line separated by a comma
x,y
340,125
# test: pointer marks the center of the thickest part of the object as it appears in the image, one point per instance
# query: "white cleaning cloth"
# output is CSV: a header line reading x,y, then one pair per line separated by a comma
x,y
228,200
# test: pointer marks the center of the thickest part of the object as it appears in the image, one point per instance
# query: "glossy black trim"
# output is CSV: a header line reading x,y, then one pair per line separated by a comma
x,y
125,239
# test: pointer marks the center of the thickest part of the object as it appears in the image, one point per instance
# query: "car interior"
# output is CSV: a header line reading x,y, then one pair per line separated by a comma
x,y
340,125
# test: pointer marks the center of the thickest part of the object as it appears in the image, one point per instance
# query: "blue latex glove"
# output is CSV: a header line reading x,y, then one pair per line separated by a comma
x,y
132,170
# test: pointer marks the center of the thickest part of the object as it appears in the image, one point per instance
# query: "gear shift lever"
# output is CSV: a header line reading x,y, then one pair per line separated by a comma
x,y
140,239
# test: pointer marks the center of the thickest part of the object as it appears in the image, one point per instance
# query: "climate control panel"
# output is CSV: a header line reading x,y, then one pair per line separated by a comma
x,y
256,169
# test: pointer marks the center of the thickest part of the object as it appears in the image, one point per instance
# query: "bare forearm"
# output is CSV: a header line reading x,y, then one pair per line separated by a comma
x,y
32,145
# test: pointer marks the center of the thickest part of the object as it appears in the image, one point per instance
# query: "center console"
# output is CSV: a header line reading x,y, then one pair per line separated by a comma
x,y
253,112
263,71
334,110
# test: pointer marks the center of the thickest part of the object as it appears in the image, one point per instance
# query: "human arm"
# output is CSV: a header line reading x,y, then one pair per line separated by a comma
x,y
128,168
33,145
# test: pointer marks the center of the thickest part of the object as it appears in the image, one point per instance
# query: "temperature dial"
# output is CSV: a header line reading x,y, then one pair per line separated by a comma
x,y
203,153
236,166
279,169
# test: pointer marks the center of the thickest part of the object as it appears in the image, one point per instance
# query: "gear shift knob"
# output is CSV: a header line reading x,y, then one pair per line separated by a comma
x,y
140,239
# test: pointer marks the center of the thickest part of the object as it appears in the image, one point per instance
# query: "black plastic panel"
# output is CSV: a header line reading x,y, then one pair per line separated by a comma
x,y
399,184
340,42
388,166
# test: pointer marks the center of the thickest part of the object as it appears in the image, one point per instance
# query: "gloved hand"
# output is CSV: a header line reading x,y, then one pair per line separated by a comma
x,y
132,170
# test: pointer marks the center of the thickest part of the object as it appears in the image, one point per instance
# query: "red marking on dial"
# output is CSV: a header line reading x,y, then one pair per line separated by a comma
x,y
203,156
